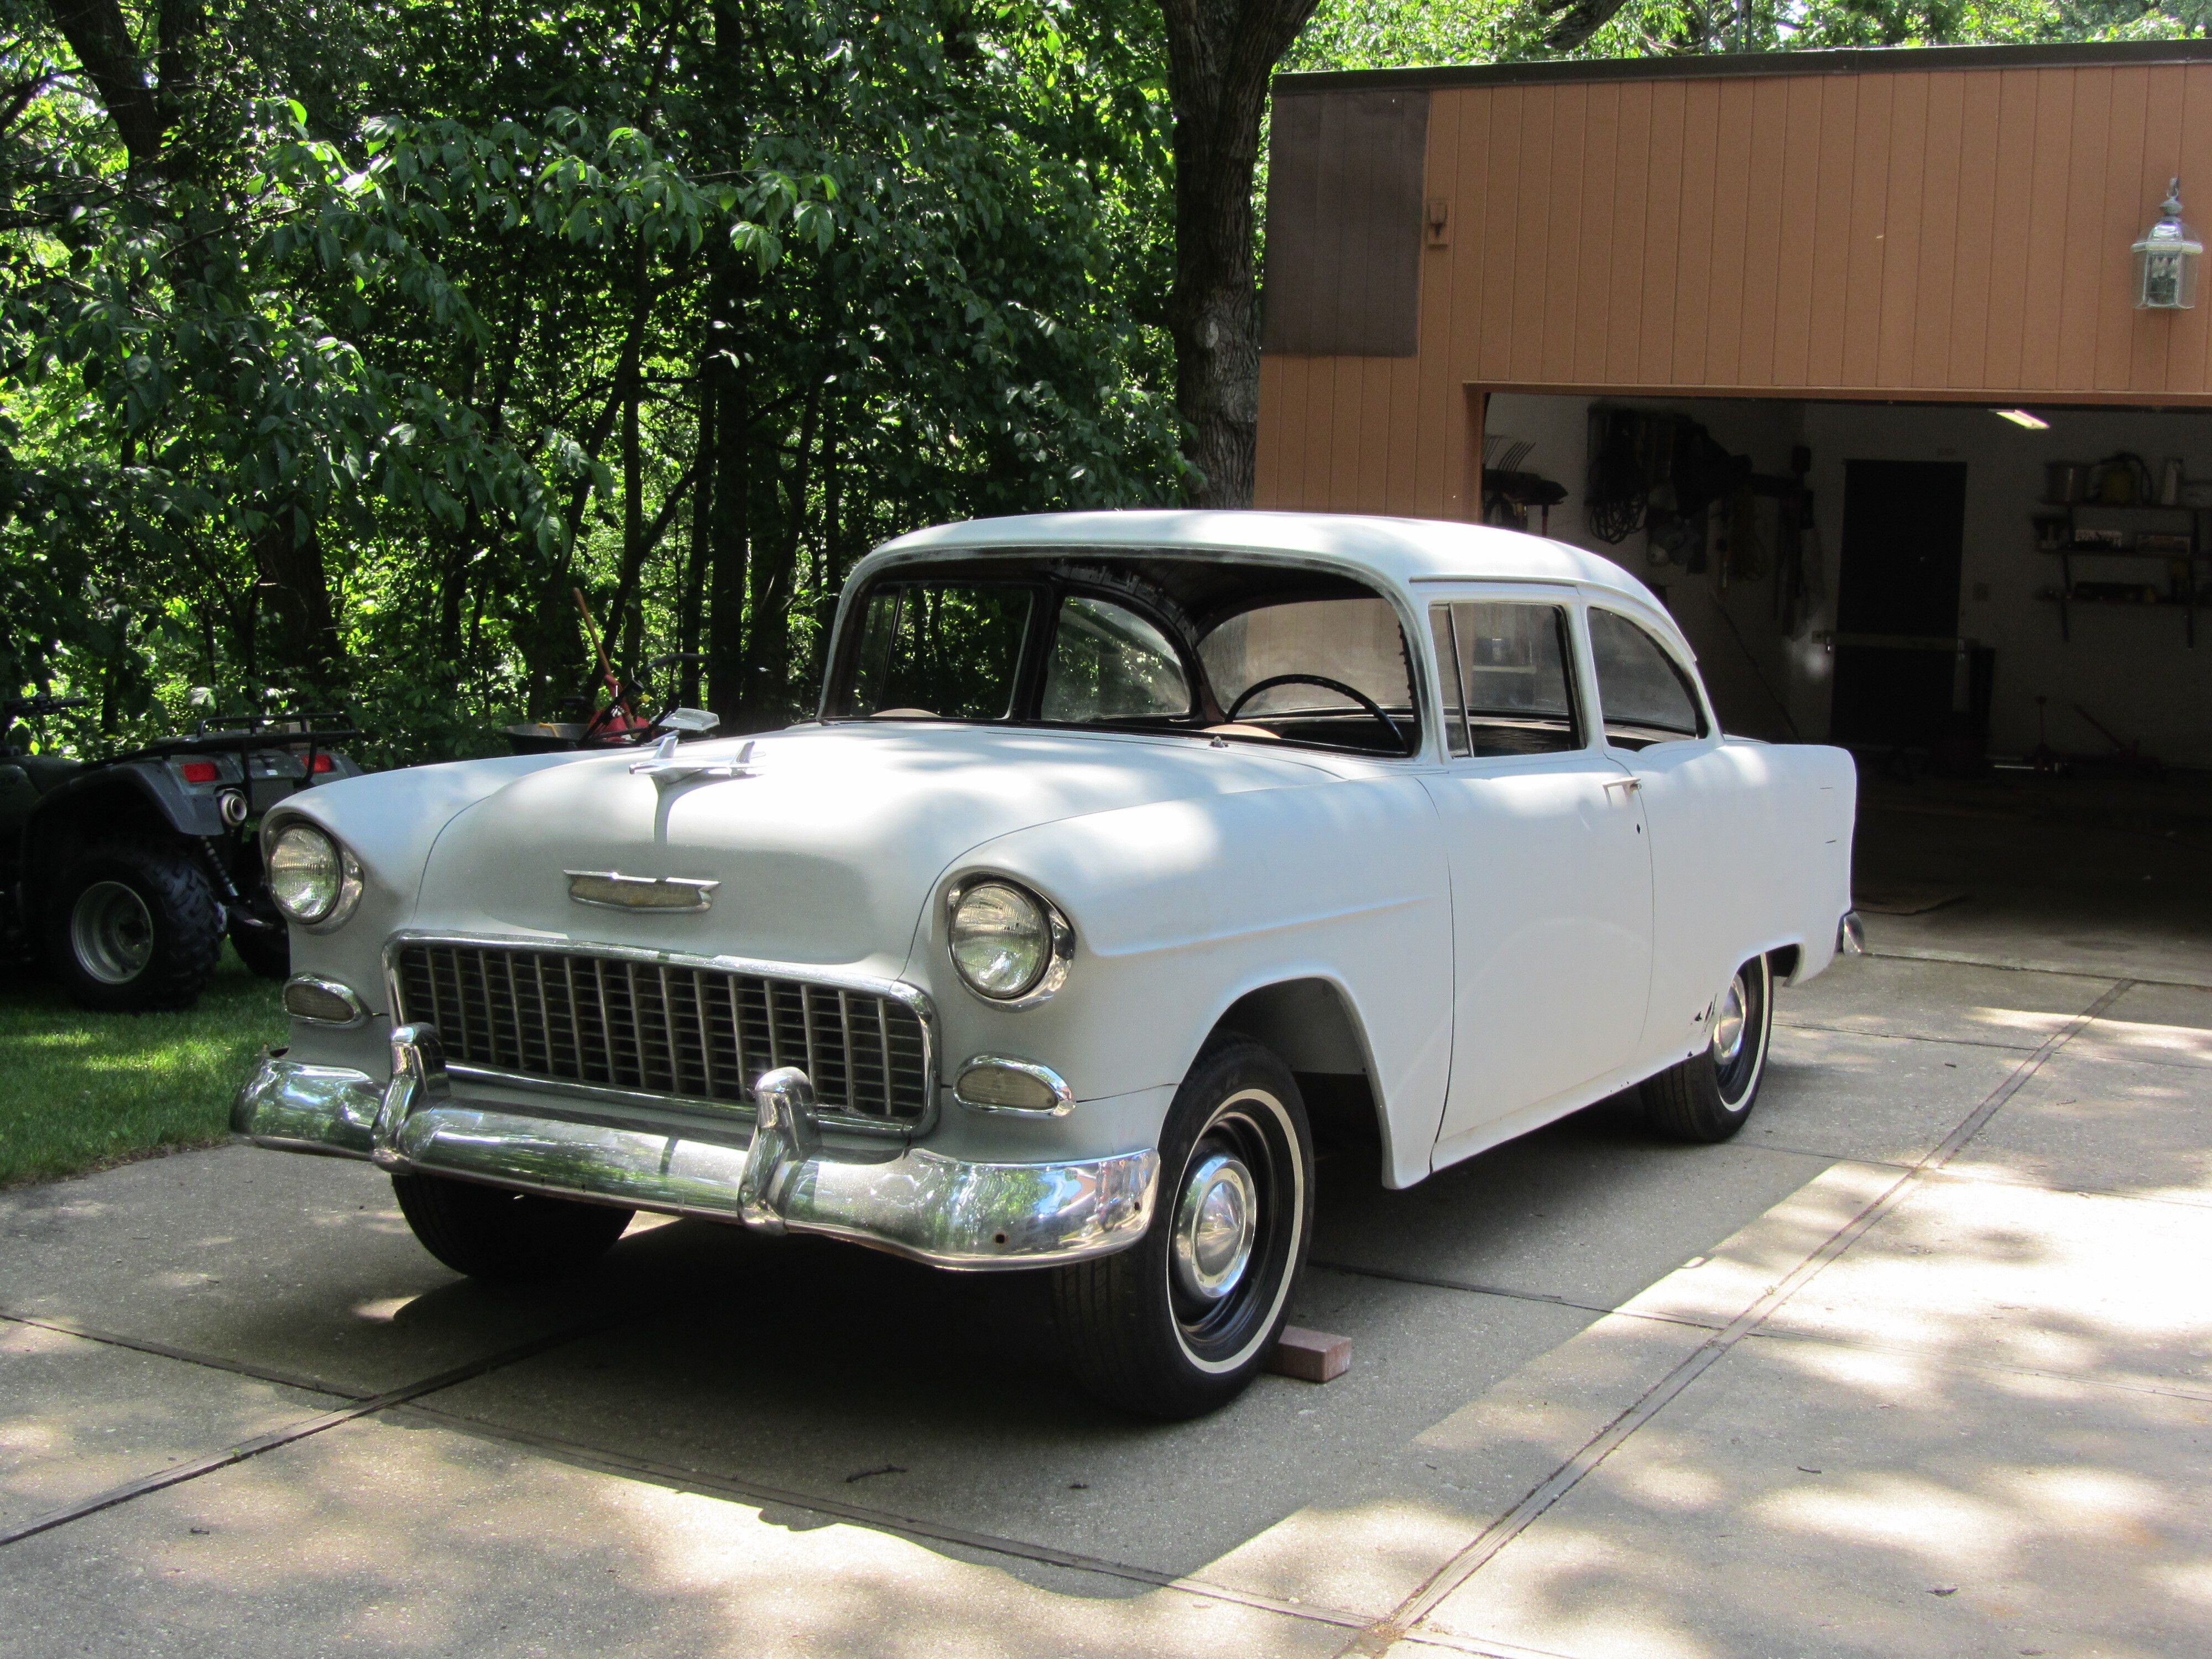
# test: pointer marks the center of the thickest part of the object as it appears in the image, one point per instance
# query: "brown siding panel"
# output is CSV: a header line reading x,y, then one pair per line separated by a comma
x,y
1627,266
1900,223
1656,361
1966,325
1939,232
1501,243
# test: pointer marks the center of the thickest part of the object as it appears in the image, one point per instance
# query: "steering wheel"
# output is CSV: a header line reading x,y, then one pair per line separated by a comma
x,y
1342,689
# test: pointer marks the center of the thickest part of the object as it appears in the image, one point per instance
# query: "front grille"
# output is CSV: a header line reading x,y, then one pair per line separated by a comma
x,y
697,1034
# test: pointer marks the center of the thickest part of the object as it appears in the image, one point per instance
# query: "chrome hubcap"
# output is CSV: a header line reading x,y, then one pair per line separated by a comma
x,y
112,932
1729,1021
1214,1227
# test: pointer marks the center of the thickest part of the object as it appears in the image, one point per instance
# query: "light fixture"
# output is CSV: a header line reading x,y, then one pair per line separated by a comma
x,y
2022,417
2165,259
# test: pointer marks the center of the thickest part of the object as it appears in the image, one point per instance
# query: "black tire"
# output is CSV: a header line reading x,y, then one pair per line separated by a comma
x,y
1134,1330
134,925
1709,1097
506,1236
267,951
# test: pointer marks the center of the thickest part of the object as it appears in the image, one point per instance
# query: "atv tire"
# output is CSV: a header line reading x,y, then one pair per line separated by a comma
x,y
267,951
133,926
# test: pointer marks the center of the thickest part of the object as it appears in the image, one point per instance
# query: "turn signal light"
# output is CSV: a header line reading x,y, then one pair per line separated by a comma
x,y
322,1000
1002,1085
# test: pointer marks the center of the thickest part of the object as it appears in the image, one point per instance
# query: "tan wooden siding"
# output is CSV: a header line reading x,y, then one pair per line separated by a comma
x,y
1928,234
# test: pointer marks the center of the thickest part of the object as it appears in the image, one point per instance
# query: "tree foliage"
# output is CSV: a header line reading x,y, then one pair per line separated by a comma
x,y
341,343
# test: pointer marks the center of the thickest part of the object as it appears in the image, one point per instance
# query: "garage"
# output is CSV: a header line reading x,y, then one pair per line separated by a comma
x,y
1848,355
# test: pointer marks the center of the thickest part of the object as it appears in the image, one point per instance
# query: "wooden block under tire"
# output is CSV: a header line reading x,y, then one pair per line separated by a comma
x,y
1311,1356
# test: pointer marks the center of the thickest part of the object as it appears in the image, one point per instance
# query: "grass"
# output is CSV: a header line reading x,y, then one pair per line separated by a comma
x,y
82,1091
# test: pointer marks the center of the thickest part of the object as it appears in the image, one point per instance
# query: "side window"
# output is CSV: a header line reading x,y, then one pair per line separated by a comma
x,y
1506,684
1646,696
1109,664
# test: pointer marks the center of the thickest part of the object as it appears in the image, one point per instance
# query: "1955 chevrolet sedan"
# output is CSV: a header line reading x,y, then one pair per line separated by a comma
x,y
1120,840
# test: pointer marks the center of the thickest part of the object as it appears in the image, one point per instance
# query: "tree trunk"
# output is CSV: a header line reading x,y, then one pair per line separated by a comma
x,y
287,556
768,702
690,607
1220,55
730,523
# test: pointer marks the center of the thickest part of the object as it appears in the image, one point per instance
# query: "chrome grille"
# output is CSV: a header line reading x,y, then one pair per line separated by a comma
x,y
691,1033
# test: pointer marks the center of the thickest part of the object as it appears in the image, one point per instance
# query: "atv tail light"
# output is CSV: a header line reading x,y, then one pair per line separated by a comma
x,y
322,763
200,771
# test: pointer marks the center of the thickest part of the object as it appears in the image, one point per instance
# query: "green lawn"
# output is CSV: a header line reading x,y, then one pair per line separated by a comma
x,y
78,1090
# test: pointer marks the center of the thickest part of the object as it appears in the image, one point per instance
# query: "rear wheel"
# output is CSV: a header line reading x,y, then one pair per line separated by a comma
x,y
509,1238
134,925
1182,1320
1708,1096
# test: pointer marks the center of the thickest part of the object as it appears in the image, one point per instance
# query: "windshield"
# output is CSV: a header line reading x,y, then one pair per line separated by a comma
x,y
1204,647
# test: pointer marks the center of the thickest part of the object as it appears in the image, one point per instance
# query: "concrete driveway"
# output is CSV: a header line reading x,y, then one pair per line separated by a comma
x,y
1921,1365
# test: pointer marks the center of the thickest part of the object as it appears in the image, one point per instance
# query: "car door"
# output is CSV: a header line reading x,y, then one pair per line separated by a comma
x,y
1549,879
1708,807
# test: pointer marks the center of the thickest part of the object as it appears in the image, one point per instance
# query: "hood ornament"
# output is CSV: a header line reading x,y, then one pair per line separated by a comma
x,y
614,891
667,768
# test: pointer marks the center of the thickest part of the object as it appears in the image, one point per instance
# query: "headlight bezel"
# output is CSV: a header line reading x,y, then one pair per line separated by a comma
x,y
1060,938
348,895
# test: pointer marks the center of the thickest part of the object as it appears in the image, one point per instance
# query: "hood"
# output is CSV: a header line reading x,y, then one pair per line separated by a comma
x,y
825,854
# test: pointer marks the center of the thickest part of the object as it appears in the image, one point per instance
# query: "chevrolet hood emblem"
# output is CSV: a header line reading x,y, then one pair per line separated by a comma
x,y
617,891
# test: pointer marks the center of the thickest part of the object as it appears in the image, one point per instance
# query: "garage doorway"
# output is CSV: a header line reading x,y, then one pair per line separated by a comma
x,y
1897,602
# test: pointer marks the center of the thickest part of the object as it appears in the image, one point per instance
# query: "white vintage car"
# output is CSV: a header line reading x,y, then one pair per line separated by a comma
x,y
1119,840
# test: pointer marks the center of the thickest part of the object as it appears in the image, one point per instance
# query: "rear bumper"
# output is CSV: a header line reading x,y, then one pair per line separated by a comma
x,y
951,1213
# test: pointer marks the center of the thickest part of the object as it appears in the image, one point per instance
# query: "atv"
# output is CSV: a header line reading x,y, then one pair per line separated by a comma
x,y
125,874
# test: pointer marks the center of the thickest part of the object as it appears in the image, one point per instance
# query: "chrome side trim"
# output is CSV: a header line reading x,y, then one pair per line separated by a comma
x,y
344,993
944,1211
1063,1097
1850,935
913,996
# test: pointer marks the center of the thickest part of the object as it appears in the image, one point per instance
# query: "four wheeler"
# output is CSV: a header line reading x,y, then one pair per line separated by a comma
x,y
125,874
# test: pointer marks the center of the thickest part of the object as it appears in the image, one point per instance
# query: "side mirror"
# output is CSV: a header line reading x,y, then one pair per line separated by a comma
x,y
691,722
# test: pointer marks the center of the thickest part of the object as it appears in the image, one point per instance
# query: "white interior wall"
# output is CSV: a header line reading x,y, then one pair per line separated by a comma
x,y
2129,667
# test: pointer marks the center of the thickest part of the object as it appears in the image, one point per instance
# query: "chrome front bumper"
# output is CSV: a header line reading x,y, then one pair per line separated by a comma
x,y
947,1212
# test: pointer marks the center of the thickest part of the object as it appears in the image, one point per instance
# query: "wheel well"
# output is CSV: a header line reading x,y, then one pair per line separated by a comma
x,y
85,815
1785,959
1312,1029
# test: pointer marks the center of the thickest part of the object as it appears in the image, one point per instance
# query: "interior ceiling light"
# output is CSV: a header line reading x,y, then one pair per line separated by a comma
x,y
2022,417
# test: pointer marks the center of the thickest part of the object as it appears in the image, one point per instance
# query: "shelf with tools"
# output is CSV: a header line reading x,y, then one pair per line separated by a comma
x,y
2168,533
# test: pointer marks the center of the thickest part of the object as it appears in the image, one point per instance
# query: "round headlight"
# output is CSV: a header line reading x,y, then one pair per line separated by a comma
x,y
1002,940
307,873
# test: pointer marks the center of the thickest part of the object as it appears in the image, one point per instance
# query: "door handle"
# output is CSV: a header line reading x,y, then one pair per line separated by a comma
x,y
1626,786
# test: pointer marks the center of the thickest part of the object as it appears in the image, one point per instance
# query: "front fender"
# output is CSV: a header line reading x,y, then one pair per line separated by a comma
x,y
1181,908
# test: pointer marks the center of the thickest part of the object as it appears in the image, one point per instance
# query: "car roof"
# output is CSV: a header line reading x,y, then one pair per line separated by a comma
x,y
1406,550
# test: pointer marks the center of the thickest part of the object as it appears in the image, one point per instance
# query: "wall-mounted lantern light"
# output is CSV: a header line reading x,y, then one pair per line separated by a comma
x,y
2165,259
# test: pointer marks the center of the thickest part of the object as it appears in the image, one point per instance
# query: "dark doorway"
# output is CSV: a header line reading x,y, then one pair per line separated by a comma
x,y
1897,602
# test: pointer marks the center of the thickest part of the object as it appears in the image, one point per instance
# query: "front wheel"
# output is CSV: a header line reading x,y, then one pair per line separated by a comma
x,y
1182,1320
1708,1096
506,1236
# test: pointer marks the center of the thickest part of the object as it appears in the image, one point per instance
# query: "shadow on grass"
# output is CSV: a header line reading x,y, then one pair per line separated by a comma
x,y
80,1091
